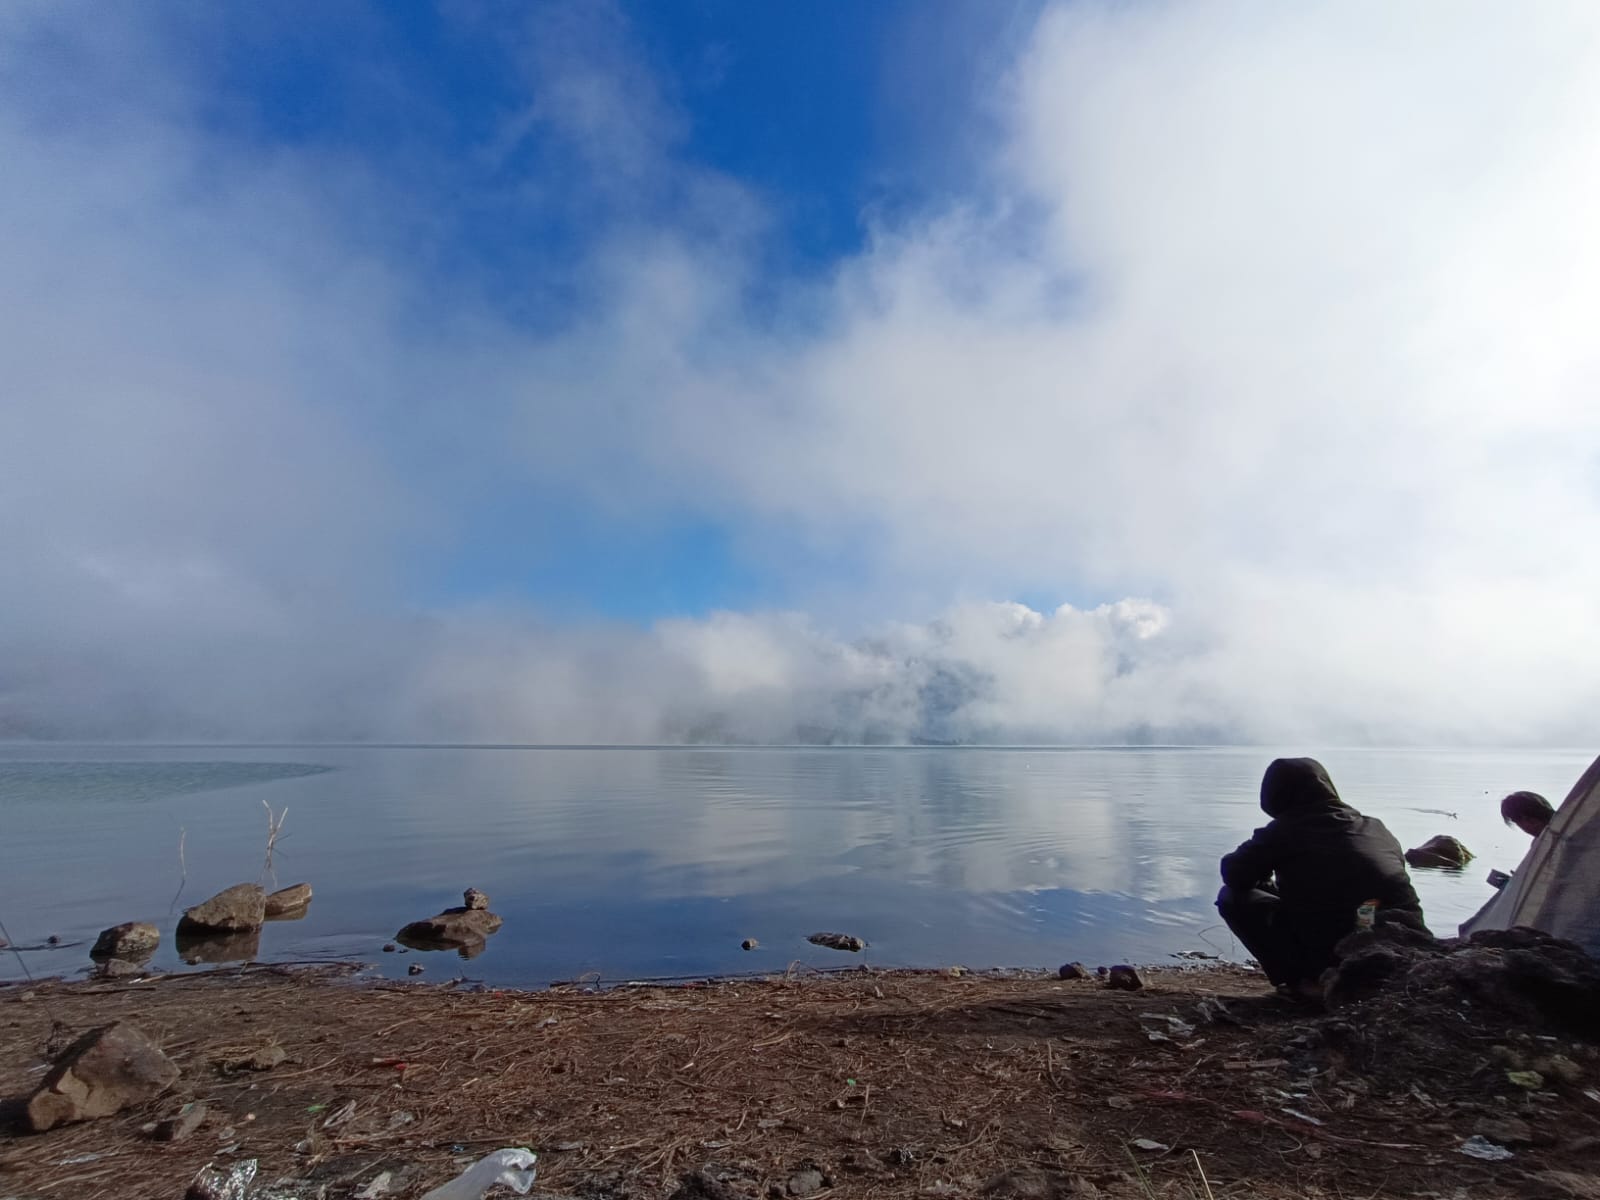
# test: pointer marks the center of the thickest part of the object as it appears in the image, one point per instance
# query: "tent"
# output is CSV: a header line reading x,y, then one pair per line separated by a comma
x,y
1557,887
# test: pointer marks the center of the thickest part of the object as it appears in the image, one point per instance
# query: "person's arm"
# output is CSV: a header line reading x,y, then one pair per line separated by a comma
x,y
1253,862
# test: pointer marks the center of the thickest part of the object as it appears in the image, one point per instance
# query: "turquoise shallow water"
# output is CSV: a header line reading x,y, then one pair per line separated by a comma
x,y
629,863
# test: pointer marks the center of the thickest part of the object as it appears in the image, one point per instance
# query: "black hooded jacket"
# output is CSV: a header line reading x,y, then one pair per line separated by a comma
x,y
1325,857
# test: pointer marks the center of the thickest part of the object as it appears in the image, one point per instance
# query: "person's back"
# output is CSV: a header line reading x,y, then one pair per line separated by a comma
x,y
1291,891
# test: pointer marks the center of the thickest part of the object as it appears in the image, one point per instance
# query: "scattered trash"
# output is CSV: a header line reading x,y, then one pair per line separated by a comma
x,y
77,1160
340,1115
1300,1116
1176,1026
1531,1080
1478,1146
1149,1144
214,1183
1119,1102
838,941
512,1168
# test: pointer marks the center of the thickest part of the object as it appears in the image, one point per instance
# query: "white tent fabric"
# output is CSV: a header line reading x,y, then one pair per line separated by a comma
x,y
1557,887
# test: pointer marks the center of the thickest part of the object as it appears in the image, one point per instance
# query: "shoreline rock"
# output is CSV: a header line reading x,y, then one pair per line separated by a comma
x,y
132,941
288,904
466,928
103,1072
232,910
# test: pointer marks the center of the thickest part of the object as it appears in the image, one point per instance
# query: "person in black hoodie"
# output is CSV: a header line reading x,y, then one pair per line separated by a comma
x,y
1291,892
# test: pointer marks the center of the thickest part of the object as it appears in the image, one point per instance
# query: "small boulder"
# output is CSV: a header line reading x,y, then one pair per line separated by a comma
x,y
838,941
233,910
118,968
133,941
1124,978
749,944
1442,851
475,899
1073,970
415,969
289,902
101,1073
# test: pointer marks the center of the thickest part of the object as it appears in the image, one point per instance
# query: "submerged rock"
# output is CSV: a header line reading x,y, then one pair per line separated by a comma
x,y
1442,851
101,1073
288,903
233,910
132,941
838,941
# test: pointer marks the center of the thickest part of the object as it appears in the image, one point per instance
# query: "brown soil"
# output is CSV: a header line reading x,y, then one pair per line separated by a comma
x,y
887,1084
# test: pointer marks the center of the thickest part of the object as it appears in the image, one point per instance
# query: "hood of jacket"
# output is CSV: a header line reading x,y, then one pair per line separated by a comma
x,y
1297,785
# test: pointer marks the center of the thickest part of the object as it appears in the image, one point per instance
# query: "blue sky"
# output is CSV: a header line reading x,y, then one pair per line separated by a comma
x,y
579,371
831,115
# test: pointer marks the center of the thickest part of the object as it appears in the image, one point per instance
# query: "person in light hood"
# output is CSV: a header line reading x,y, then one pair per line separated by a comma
x,y
1292,891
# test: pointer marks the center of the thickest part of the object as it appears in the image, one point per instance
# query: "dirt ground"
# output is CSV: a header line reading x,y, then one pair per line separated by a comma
x,y
880,1084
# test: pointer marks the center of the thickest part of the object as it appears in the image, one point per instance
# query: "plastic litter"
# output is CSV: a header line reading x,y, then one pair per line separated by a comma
x,y
214,1183
1478,1146
1149,1144
512,1168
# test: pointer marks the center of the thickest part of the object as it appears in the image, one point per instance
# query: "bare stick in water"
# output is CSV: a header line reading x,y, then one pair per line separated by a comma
x,y
274,828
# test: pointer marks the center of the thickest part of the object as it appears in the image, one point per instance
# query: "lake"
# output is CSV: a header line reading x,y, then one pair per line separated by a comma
x,y
630,863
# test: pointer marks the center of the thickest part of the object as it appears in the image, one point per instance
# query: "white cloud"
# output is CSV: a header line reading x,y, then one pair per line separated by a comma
x,y
1278,315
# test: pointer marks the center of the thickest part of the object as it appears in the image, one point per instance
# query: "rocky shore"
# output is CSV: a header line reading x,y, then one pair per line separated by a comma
x,y
1441,1071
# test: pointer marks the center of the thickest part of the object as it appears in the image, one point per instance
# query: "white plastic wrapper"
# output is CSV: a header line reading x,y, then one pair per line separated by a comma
x,y
510,1168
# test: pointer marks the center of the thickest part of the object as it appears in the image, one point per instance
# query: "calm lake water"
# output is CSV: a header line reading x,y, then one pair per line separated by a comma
x,y
633,863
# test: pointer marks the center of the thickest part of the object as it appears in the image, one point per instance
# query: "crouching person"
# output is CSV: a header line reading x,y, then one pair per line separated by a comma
x,y
1292,891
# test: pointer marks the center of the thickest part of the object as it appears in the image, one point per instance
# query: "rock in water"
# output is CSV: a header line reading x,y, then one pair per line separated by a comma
x,y
475,899
133,941
749,944
1124,978
838,941
288,902
1441,851
454,928
101,1073
235,910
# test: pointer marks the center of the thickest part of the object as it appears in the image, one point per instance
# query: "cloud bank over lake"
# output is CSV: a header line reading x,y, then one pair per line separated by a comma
x,y
1262,338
